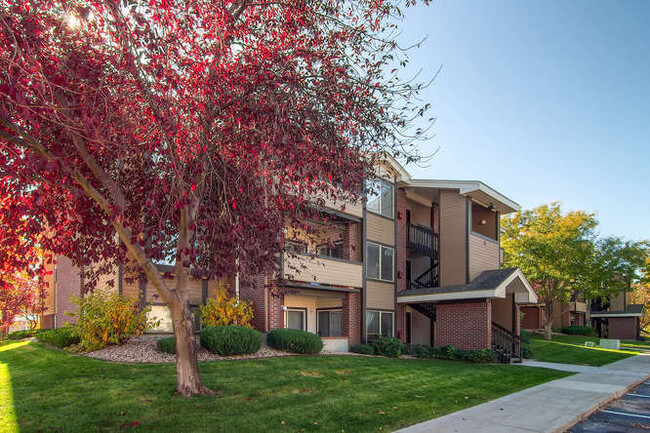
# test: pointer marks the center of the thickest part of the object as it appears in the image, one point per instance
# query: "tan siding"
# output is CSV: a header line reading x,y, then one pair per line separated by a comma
x,y
617,303
103,282
195,289
130,289
420,214
502,311
380,295
483,255
322,270
453,229
380,229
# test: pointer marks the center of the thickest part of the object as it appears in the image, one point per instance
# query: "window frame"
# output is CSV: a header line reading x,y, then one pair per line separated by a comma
x,y
378,184
328,310
379,267
381,313
297,309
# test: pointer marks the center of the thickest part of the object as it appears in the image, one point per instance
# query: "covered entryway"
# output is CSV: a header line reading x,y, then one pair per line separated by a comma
x,y
479,315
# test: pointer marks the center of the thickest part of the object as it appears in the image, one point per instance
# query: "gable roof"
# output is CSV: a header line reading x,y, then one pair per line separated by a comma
x,y
489,284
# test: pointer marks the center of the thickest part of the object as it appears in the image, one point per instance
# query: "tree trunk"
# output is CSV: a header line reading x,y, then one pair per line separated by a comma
x,y
187,366
548,320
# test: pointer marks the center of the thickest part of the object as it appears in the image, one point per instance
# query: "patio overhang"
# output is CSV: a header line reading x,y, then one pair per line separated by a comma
x,y
496,283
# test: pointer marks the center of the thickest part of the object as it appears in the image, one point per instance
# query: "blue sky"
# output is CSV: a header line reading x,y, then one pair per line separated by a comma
x,y
542,100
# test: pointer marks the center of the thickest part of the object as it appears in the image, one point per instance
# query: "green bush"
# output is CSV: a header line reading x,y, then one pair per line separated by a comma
x,y
587,331
231,340
61,337
167,345
480,356
387,346
293,340
19,335
448,352
364,349
526,351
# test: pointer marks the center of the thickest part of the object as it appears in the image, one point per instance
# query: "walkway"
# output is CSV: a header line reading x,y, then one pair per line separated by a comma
x,y
551,407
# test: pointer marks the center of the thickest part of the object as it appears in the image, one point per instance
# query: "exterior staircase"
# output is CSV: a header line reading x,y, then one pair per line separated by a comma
x,y
507,344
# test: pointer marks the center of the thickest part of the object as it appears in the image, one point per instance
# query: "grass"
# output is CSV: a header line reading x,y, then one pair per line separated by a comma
x,y
44,389
635,344
570,349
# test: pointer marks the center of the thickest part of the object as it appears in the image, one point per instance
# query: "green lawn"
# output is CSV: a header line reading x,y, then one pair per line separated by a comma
x,y
634,344
570,349
43,389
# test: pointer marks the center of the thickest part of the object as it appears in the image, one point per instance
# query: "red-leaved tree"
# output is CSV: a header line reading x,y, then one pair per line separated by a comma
x,y
139,131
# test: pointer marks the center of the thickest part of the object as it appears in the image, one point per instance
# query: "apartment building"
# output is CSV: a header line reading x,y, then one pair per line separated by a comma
x,y
419,260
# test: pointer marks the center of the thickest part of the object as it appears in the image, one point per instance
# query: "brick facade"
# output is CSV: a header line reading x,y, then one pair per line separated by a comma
x,y
352,318
275,318
400,262
623,328
67,285
253,289
464,324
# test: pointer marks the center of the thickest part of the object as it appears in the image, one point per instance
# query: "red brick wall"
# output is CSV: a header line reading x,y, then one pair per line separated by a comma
x,y
517,319
623,327
352,242
351,318
464,324
275,302
67,285
252,289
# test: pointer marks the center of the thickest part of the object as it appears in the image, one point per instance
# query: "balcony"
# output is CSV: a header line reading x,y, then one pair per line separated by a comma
x,y
318,270
423,240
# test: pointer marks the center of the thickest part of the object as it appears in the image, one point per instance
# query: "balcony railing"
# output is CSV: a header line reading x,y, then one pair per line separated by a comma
x,y
311,269
423,240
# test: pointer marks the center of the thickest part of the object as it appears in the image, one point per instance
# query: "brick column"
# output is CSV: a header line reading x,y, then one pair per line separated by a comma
x,y
400,325
351,242
352,318
276,300
400,263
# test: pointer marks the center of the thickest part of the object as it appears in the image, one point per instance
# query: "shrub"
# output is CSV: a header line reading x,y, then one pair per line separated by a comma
x,y
364,349
480,356
387,346
423,351
587,331
526,351
19,335
231,340
224,310
105,319
167,345
448,352
293,340
61,337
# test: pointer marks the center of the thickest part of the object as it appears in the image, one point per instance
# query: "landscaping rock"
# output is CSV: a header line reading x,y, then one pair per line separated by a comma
x,y
143,350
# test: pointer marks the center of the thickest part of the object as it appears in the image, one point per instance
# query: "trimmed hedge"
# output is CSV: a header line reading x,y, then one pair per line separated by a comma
x,y
293,340
451,353
167,345
231,340
19,335
387,346
61,337
587,331
364,349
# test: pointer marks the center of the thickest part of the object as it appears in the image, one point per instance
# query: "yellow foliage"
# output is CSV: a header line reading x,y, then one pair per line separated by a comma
x,y
224,310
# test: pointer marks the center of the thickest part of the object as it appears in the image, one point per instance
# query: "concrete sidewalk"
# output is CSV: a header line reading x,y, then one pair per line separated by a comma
x,y
551,407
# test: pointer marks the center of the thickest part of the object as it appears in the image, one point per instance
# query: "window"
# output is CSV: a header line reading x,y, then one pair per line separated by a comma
x,y
380,198
330,323
295,247
379,262
331,250
296,319
379,323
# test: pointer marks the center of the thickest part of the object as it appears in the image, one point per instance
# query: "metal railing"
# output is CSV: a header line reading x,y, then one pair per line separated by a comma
x,y
506,343
423,240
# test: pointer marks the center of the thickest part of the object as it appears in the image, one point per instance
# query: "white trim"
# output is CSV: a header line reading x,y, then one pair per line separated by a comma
x,y
466,187
615,315
498,292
